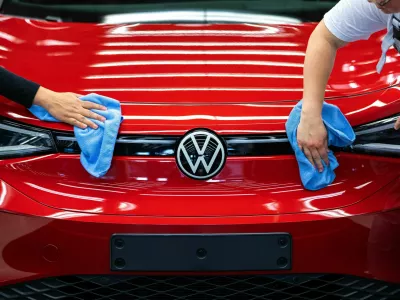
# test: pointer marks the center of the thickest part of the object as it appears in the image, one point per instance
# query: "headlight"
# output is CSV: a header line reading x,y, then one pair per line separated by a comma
x,y
20,140
377,138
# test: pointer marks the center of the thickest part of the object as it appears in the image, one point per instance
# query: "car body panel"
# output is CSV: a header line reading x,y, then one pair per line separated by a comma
x,y
226,77
239,118
183,63
358,240
156,187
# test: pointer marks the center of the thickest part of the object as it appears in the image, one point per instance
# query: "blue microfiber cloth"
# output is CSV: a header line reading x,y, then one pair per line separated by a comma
x,y
340,134
97,145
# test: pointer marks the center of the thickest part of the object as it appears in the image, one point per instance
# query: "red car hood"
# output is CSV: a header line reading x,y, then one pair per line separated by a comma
x,y
182,63
202,68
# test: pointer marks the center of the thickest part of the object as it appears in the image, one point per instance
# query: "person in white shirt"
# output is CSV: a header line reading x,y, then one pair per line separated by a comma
x,y
348,21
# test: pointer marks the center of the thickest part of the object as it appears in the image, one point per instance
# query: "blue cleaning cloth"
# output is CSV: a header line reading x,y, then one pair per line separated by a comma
x,y
97,145
340,134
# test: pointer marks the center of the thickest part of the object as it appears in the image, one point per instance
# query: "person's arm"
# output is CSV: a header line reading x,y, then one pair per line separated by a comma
x,y
348,21
319,61
17,88
65,107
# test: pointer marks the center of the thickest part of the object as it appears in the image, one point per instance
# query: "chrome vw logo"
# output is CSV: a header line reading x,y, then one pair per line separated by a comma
x,y
201,154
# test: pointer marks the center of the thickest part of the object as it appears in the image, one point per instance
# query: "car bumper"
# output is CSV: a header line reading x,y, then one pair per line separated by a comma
x,y
40,242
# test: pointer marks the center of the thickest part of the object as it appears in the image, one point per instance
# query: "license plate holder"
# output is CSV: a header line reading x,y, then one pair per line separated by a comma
x,y
201,252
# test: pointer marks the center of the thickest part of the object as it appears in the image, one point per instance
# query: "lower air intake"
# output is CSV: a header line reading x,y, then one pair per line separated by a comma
x,y
324,287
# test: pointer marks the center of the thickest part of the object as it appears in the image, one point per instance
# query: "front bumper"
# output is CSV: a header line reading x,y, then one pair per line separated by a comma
x,y
41,242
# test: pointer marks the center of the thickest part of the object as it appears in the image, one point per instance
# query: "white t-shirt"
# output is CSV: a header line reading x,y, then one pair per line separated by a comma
x,y
352,20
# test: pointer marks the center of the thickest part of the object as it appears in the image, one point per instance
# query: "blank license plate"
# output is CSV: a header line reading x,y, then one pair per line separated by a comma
x,y
212,252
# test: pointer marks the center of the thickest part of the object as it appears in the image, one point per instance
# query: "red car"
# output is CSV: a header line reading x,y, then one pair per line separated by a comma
x,y
204,198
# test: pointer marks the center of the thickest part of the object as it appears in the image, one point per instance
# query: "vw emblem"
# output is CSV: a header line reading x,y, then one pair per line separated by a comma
x,y
201,154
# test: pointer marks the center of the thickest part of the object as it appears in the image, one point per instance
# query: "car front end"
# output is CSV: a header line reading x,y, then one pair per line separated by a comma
x,y
203,199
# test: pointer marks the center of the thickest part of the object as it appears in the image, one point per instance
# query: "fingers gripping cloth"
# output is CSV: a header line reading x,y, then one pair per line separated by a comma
x,y
340,134
97,145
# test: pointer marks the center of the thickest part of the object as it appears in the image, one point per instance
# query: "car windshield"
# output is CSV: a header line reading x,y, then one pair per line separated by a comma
x,y
172,11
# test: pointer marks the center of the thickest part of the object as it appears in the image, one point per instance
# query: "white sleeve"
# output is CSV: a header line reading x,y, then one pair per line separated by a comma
x,y
352,20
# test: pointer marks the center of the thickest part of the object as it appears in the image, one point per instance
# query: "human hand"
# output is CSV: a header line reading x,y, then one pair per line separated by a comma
x,y
397,125
312,139
68,108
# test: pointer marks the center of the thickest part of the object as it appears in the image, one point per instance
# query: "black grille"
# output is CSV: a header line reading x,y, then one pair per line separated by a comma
x,y
249,145
306,287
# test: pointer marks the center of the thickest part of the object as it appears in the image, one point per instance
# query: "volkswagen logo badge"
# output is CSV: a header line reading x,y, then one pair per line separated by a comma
x,y
201,154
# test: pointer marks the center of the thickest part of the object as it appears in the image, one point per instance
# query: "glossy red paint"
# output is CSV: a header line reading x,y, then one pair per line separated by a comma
x,y
183,63
239,118
156,187
233,79
170,78
351,240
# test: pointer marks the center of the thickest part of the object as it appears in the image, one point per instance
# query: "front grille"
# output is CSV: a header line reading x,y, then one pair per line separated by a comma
x,y
302,287
236,145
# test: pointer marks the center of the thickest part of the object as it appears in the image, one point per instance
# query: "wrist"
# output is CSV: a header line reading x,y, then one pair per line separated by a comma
x,y
312,111
42,97
311,117
311,114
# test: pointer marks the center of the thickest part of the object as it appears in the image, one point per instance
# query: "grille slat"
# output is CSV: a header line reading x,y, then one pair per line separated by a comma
x,y
283,287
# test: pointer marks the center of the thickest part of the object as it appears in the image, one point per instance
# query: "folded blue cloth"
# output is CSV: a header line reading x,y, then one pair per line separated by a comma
x,y
340,134
97,145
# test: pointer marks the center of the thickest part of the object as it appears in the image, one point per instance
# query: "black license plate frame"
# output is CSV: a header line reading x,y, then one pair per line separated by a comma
x,y
201,252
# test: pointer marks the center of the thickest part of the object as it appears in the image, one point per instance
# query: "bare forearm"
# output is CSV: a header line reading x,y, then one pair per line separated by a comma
x,y
319,61
320,57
